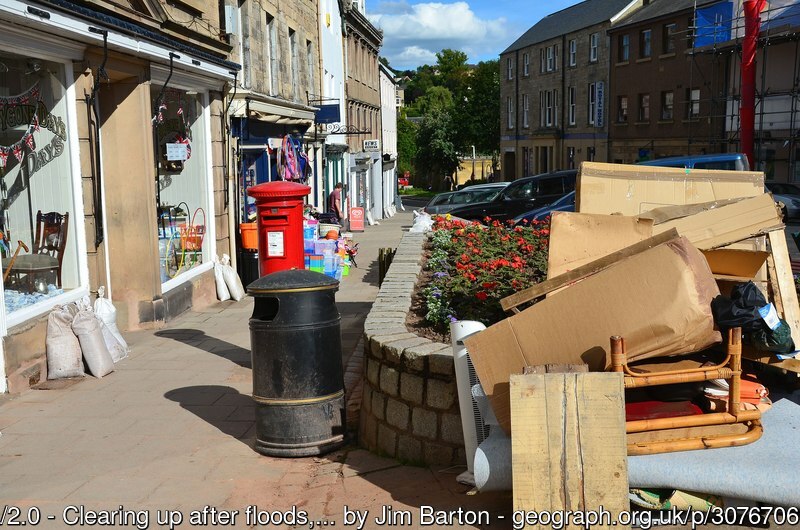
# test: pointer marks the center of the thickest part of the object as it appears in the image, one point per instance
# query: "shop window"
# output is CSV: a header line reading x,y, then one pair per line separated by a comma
x,y
36,177
183,190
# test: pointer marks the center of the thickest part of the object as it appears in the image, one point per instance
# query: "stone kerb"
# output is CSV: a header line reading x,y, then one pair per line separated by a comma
x,y
409,407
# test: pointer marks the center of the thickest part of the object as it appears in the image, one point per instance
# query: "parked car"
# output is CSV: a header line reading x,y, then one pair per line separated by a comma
x,y
520,196
564,204
789,195
723,161
444,202
438,202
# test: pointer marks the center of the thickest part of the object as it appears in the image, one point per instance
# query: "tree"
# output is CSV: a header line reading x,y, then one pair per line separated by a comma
x,y
406,144
436,152
436,97
452,71
478,117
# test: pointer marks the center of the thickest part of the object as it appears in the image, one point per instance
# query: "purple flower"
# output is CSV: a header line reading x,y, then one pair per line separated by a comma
x,y
439,274
452,318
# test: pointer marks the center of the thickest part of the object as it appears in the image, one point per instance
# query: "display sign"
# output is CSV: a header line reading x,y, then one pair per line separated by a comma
x,y
275,245
357,219
328,113
600,109
177,151
372,145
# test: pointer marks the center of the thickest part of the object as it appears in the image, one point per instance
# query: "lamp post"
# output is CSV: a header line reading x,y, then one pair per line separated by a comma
x,y
473,162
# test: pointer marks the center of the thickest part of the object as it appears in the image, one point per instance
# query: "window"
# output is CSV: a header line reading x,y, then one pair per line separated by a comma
x,y
668,38
644,107
38,171
525,110
622,109
550,59
541,109
556,105
573,52
510,113
667,99
624,48
272,54
525,63
592,102
571,104
692,102
644,44
293,60
510,68
548,108
594,42
310,64
542,61
182,176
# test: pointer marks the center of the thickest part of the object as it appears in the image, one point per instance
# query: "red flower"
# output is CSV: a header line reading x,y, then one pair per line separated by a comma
x,y
481,295
489,285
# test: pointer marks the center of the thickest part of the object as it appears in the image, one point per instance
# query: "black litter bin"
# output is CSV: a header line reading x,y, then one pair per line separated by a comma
x,y
248,266
296,348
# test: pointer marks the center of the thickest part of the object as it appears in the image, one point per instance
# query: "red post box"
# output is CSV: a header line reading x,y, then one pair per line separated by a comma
x,y
280,225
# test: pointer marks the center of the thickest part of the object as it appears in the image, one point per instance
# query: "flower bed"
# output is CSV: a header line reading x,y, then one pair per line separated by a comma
x,y
475,266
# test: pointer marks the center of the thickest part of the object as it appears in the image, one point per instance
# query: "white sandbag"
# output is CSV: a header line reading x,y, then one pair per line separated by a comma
x,y
88,328
232,279
219,278
117,350
105,310
63,349
423,222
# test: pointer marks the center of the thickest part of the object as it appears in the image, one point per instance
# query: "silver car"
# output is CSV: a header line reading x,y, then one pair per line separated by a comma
x,y
789,195
444,202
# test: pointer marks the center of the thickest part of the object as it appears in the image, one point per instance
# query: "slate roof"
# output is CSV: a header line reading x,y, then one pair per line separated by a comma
x,y
660,8
587,13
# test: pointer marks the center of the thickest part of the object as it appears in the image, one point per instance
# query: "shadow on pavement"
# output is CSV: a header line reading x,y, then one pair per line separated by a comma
x,y
412,486
221,406
201,341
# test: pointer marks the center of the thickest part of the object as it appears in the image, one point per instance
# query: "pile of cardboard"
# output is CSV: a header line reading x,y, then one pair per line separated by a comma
x,y
646,252
642,258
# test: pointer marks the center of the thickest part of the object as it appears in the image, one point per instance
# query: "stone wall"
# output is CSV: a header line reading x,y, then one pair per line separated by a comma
x,y
409,407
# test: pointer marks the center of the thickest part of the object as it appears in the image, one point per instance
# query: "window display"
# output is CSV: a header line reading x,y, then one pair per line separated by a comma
x,y
182,192
38,243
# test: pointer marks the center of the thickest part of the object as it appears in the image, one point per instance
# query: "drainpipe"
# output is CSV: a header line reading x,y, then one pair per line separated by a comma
x,y
747,107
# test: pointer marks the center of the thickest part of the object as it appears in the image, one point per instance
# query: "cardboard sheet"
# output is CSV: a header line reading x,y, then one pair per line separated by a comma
x,y
579,238
658,300
735,264
631,189
728,224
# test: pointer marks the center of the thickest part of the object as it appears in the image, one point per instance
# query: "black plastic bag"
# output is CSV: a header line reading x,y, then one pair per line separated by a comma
x,y
741,309
778,340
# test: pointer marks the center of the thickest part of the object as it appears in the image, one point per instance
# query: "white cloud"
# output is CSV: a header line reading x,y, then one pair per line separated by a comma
x,y
412,34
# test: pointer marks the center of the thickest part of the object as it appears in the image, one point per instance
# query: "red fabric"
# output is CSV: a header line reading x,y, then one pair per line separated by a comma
x,y
650,410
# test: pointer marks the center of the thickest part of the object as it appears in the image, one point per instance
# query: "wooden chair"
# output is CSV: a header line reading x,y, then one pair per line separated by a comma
x,y
47,254
730,368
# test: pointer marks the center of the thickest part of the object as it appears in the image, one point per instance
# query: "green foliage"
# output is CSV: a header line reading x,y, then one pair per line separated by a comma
x,y
406,144
475,266
436,97
436,151
479,115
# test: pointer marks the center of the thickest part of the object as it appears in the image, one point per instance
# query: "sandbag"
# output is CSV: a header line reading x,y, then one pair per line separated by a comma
x,y
219,278
88,328
232,280
106,312
63,347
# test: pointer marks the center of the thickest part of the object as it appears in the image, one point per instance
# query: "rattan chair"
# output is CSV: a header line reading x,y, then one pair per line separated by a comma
x,y
730,368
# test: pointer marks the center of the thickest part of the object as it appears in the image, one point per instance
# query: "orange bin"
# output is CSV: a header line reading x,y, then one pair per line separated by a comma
x,y
249,235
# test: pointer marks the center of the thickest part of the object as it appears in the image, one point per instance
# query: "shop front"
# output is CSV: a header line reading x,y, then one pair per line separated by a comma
x,y
271,144
107,175
43,242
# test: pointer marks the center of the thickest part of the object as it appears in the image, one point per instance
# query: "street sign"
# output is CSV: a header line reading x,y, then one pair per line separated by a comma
x,y
356,219
372,145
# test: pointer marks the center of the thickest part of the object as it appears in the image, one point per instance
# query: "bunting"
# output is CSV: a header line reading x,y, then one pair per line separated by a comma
x,y
32,95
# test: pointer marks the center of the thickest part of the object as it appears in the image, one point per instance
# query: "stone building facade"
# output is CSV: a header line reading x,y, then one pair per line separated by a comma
x,y
553,90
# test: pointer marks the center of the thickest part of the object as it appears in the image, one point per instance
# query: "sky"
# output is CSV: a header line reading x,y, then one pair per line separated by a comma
x,y
414,30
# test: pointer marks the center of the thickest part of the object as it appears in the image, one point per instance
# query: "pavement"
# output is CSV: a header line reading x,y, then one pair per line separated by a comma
x,y
166,441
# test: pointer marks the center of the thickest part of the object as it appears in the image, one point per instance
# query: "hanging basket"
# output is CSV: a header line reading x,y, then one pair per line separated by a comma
x,y
193,234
